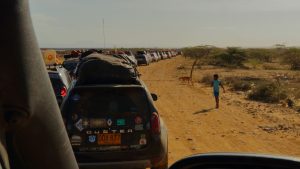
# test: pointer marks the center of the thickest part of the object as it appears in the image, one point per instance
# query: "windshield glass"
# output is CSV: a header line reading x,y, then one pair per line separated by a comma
x,y
226,73
109,102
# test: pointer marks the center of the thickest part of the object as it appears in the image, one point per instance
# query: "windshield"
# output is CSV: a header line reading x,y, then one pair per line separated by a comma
x,y
109,102
226,75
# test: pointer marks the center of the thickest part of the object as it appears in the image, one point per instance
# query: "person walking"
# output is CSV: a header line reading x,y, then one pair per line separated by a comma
x,y
215,85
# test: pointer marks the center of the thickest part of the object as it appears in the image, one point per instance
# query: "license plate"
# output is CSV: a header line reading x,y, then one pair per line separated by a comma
x,y
109,139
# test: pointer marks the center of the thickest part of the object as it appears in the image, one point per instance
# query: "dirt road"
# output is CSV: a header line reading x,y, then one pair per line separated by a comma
x,y
194,125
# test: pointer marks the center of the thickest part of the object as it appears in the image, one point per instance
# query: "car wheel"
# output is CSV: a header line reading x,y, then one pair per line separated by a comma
x,y
164,164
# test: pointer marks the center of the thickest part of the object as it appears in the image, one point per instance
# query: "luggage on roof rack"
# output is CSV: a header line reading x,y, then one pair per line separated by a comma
x,y
104,69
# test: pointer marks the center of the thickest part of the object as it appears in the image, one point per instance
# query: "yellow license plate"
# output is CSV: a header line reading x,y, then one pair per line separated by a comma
x,y
109,139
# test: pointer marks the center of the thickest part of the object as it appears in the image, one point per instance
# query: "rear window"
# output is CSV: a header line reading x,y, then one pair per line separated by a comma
x,y
70,65
141,52
141,56
105,103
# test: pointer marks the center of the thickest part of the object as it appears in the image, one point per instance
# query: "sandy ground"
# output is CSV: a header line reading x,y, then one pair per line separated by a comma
x,y
195,126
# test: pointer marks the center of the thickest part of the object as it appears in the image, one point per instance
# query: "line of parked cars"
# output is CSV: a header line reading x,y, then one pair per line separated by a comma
x,y
146,57
61,76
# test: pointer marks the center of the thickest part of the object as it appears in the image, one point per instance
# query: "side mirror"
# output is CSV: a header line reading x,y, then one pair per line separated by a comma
x,y
154,96
236,161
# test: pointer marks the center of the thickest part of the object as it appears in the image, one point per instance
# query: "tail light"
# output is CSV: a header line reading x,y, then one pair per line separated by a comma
x,y
63,91
155,123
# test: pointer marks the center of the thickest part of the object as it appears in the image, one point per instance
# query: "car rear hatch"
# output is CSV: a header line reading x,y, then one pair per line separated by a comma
x,y
108,118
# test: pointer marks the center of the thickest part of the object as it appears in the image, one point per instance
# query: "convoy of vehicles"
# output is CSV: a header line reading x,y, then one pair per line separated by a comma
x,y
61,76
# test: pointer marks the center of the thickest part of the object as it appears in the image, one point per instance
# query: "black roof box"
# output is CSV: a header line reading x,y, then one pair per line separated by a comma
x,y
104,69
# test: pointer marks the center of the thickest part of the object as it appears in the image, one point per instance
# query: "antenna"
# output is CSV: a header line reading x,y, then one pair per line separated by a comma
x,y
103,31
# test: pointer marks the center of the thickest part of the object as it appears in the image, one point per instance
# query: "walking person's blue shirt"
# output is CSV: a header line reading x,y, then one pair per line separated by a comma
x,y
216,84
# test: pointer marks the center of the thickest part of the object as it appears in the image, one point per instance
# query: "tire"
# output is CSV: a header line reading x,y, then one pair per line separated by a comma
x,y
164,164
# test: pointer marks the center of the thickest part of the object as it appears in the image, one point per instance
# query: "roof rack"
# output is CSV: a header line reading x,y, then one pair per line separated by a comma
x,y
53,67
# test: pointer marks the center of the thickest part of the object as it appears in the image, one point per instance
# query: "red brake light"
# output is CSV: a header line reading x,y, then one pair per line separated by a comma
x,y
63,91
155,123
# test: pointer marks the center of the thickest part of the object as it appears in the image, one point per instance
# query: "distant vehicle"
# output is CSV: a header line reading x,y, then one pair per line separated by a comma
x,y
154,57
60,81
173,53
143,57
131,57
70,64
164,55
73,54
169,55
141,52
114,125
128,58
159,55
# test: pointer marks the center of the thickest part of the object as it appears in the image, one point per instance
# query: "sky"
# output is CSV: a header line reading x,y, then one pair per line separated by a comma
x,y
166,23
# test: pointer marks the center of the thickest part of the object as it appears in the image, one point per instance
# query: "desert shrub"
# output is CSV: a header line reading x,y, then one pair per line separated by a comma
x,y
207,79
241,85
238,83
268,92
292,57
228,80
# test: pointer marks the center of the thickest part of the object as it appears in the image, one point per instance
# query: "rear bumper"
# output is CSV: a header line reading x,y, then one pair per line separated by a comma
x,y
117,165
151,156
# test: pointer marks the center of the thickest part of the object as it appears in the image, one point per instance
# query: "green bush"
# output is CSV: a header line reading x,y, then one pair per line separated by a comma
x,y
197,52
230,57
268,92
262,55
292,57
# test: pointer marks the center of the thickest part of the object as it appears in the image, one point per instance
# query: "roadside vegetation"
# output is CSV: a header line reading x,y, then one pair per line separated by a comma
x,y
269,92
275,72
235,57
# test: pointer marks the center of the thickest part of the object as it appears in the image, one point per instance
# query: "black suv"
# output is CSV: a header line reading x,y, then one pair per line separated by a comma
x,y
115,126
